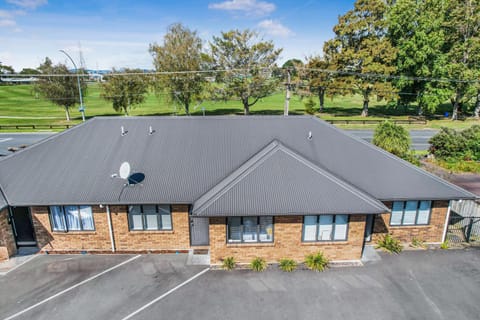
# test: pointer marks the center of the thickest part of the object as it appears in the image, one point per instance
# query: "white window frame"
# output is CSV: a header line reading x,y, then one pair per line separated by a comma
x,y
144,218
258,235
333,225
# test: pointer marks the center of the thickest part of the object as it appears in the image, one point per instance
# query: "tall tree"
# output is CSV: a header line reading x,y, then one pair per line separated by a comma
x,y
416,30
4,69
462,22
59,85
246,63
320,80
180,58
362,51
125,91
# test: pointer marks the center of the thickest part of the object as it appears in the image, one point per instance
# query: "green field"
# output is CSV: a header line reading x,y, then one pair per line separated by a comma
x,y
19,105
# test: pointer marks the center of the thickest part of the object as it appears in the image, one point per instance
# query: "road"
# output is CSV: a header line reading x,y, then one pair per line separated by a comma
x,y
419,139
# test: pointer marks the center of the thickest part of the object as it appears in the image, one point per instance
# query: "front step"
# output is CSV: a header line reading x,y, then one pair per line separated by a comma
x,y
198,257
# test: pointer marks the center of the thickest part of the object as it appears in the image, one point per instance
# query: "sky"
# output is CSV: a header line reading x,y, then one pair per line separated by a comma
x,y
117,34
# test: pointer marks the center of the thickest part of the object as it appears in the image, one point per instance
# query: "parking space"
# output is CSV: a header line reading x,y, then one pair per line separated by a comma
x,y
412,285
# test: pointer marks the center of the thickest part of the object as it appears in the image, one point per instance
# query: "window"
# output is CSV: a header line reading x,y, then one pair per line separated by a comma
x,y
250,229
410,213
325,227
71,218
150,217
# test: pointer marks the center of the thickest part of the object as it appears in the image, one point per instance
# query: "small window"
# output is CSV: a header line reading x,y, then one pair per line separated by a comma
x,y
325,227
250,229
410,213
149,217
71,218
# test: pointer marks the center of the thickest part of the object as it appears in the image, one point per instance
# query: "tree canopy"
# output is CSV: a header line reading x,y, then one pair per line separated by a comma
x,y
180,58
125,91
246,63
392,138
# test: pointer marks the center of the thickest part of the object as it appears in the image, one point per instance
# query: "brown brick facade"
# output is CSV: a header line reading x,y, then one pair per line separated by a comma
x,y
99,240
287,242
7,240
433,232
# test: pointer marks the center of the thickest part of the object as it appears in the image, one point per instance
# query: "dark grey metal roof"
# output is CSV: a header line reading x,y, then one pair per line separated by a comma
x,y
187,156
278,180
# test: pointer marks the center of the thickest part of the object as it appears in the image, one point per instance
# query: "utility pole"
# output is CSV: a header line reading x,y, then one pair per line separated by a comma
x,y
82,108
287,95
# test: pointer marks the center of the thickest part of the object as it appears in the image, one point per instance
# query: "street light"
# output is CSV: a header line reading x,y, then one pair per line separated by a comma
x,y
82,108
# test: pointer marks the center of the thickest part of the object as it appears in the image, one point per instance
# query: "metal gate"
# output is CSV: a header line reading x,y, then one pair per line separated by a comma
x,y
463,229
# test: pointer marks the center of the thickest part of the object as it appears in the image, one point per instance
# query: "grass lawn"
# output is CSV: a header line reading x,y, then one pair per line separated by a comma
x,y
19,105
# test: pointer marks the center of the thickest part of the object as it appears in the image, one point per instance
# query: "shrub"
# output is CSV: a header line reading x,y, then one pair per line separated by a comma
x,y
287,265
229,263
445,245
448,144
316,261
392,138
390,244
417,243
309,106
258,264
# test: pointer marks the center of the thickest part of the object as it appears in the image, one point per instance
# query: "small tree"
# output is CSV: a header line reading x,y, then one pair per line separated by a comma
x,y
392,138
246,62
125,91
59,86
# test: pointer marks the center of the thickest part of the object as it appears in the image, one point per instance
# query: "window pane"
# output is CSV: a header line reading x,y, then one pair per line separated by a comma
x,y
397,212
57,218
410,212
310,228
234,229
73,219
266,229
341,222
249,229
325,227
166,217
87,217
135,218
424,212
151,217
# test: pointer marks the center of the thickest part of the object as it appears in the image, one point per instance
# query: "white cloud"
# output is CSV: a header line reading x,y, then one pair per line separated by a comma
x,y
275,28
28,4
249,7
7,23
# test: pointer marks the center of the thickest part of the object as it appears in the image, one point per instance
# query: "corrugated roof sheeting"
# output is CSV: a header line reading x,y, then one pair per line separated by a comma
x,y
281,181
187,156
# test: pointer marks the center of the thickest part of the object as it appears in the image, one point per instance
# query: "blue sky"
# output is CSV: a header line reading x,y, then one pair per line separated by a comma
x,y
118,33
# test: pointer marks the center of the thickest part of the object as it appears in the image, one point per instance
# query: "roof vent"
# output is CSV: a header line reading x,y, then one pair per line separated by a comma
x,y
310,136
124,132
150,131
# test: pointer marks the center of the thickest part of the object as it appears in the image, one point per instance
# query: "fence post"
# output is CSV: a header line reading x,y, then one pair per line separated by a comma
x,y
469,230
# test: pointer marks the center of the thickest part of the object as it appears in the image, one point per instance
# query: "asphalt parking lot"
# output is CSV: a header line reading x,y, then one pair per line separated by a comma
x,y
413,285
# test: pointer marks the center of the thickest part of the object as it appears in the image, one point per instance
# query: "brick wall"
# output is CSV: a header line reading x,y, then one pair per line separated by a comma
x,y
287,242
432,232
7,240
125,240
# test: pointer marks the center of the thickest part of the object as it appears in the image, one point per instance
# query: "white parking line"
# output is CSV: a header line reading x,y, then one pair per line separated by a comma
x,y
72,287
165,294
5,139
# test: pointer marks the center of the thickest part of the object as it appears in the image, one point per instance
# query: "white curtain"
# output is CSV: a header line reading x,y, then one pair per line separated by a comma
x,y
73,218
135,216
341,223
424,212
151,217
397,213
310,228
325,227
165,216
87,218
410,212
57,218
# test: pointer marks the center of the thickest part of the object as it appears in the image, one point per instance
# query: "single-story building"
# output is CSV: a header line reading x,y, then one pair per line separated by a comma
x,y
269,186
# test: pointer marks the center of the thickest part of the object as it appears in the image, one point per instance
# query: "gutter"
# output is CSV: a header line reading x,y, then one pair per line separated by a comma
x,y
110,228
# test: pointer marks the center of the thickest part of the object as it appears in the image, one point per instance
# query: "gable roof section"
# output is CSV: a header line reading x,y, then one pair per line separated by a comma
x,y
281,182
188,156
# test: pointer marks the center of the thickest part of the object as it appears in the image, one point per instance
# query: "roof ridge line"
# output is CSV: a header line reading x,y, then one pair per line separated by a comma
x,y
400,160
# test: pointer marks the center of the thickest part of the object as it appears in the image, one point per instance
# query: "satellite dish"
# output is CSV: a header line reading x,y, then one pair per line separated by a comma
x,y
124,171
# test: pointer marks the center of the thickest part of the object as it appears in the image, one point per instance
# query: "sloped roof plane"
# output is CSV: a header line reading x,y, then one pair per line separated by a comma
x,y
278,180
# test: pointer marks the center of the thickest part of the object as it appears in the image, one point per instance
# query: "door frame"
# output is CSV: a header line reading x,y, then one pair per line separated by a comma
x,y
14,228
369,229
190,227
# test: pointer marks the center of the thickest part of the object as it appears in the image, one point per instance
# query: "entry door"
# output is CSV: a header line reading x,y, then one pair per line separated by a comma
x,y
22,226
369,227
199,235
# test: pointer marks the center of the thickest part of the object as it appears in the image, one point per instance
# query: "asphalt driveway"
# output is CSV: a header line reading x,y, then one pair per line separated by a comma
x,y
413,285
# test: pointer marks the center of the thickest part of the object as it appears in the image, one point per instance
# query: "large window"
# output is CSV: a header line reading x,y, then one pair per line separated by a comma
x,y
150,217
409,213
325,227
71,218
250,229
